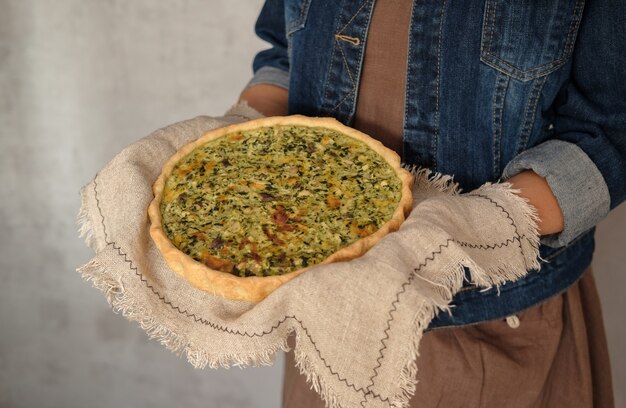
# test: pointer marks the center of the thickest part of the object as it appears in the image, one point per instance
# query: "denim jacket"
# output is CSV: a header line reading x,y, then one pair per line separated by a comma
x,y
493,88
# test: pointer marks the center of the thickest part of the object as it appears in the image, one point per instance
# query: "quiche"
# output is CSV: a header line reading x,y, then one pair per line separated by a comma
x,y
248,207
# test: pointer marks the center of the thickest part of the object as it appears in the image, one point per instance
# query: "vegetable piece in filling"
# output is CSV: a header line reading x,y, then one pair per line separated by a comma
x,y
273,200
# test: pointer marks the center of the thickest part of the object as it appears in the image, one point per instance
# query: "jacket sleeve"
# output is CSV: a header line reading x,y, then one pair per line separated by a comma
x,y
585,165
271,66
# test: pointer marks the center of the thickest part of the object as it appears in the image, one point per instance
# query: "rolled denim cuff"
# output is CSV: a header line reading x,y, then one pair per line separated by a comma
x,y
270,75
575,181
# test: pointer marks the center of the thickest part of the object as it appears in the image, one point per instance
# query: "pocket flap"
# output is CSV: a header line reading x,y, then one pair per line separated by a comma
x,y
527,39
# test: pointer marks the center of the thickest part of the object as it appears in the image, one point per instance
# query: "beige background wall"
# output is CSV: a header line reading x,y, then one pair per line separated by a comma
x,y
79,80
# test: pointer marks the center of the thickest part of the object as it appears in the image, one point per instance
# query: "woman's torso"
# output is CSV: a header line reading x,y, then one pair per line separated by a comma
x,y
482,79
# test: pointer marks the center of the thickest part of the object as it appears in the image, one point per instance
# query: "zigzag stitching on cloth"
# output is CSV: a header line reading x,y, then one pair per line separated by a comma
x,y
215,326
95,194
489,246
394,308
517,238
227,330
508,215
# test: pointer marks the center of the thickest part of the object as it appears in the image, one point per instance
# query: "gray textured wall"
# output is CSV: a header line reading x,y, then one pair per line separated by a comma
x,y
79,80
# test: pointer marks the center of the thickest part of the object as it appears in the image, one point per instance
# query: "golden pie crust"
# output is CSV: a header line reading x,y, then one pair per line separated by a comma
x,y
255,288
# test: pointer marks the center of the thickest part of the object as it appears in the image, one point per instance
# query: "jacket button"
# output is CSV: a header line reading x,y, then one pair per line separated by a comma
x,y
513,321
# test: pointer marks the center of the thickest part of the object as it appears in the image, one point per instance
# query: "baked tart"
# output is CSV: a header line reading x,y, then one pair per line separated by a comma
x,y
248,207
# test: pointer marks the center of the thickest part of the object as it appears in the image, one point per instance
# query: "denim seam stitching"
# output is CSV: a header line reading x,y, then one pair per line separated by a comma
x,y
351,91
362,56
342,100
345,61
435,141
502,84
511,71
548,65
483,37
299,23
493,23
409,71
353,17
530,113
330,74
332,60
573,26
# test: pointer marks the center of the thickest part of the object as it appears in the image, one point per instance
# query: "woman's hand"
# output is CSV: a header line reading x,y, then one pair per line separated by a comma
x,y
536,190
270,100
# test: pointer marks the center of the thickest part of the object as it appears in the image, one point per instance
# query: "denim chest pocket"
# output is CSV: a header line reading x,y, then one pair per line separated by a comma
x,y
296,12
526,39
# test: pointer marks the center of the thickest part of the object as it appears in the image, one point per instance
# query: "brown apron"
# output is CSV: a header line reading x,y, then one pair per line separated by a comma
x,y
552,355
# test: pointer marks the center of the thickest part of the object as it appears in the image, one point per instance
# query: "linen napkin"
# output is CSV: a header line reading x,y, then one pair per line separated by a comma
x,y
357,324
